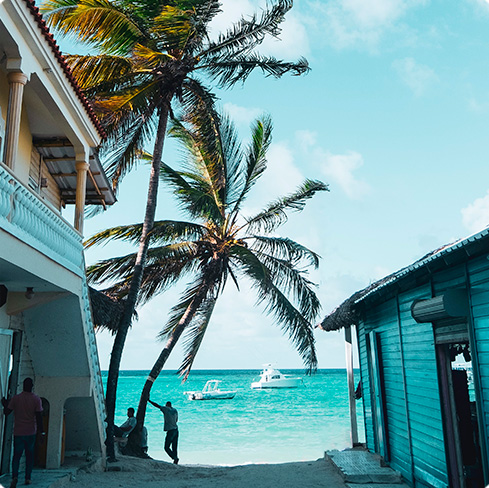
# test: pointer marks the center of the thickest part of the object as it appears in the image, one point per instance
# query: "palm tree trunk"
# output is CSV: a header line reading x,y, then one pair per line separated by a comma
x,y
131,299
134,443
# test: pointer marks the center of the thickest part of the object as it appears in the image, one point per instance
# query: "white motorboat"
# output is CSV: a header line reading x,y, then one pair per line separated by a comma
x,y
273,378
211,391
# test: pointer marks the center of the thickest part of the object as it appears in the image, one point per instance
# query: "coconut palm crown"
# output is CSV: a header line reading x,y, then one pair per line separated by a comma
x,y
149,52
218,242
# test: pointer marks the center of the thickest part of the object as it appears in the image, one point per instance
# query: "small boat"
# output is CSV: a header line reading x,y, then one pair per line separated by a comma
x,y
211,391
273,378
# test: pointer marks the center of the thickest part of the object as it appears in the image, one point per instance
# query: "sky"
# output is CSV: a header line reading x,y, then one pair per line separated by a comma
x,y
394,116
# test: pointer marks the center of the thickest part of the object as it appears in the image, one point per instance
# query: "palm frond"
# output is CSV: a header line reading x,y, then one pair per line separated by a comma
x,y
233,69
151,57
294,283
246,34
98,22
128,145
285,248
256,162
179,260
164,231
201,289
90,71
291,320
194,197
195,334
172,28
276,213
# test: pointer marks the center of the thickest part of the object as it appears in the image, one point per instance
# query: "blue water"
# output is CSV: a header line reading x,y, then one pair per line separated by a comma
x,y
257,426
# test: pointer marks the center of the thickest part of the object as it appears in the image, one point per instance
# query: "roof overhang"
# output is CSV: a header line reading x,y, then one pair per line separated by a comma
x,y
59,157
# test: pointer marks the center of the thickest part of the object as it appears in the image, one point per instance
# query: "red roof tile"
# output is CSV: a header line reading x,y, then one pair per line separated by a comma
x,y
64,66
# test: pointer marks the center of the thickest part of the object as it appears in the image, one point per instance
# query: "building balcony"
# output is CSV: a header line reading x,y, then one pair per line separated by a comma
x,y
28,218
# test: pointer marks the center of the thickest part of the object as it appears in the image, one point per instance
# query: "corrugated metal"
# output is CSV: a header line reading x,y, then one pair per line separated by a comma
x,y
59,157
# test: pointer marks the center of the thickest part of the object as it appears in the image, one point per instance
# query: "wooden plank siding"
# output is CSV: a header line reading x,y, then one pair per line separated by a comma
x,y
425,419
478,272
366,391
383,319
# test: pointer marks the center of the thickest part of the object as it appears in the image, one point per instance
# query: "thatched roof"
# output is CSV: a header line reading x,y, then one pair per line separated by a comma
x,y
106,311
347,313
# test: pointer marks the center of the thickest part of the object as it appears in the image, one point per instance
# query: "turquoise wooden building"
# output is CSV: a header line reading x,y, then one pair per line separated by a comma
x,y
423,339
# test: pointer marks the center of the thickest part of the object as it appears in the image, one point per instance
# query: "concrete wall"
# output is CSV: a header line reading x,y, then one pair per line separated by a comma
x,y
80,434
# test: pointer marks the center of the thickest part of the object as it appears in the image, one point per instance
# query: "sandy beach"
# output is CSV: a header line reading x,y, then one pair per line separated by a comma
x,y
137,473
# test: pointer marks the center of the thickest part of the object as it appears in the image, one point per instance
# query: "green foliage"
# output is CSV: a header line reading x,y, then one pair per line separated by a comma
x,y
148,54
218,243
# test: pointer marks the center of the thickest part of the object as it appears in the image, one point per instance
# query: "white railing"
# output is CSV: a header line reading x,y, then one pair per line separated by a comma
x,y
98,388
27,217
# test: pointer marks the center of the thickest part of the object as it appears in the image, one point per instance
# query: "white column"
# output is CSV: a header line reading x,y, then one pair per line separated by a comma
x,y
55,433
351,387
17,82
81,188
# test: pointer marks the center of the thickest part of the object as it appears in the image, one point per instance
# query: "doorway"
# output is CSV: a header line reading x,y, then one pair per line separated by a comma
x,y
459,408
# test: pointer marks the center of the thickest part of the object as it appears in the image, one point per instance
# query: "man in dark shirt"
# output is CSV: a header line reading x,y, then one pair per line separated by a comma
x,y
171,429
27,410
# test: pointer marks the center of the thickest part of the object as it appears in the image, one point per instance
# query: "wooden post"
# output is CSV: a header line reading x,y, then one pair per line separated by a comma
x,y
17,82
81,188
351,387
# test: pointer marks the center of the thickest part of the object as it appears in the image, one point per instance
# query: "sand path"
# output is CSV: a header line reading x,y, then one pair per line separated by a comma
x,y
138,473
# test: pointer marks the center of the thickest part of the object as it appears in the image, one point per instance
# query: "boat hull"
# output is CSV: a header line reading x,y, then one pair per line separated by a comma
x,y
222,395
284,383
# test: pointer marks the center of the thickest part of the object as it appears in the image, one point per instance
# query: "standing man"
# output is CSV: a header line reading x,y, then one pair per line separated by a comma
x,y
27,410
171,428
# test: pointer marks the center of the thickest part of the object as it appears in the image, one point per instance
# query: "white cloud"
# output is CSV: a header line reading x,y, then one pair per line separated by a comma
x,y
306,139
242,115
478,106
282,175
475,216
418,77
357,23
340,169
292,43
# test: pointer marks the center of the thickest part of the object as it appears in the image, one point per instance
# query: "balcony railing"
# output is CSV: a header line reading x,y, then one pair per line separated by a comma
x,y
27,217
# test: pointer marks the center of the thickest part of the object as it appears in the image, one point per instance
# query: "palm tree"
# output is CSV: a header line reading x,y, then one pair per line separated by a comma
x,y
219,243
147,56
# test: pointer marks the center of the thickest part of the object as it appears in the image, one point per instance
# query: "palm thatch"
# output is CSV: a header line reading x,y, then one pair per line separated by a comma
x,y
106,311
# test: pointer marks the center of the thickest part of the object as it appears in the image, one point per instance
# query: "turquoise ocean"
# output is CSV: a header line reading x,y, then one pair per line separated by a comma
x,y
256,426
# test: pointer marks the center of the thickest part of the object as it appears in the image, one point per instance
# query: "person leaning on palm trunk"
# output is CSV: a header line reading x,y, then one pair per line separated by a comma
x,y
171,429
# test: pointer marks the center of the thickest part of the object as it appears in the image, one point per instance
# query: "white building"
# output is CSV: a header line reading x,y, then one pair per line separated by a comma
x,y
48,160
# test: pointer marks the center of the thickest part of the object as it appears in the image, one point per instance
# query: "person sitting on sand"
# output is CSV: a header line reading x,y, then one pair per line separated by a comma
x,y
171,428
126,428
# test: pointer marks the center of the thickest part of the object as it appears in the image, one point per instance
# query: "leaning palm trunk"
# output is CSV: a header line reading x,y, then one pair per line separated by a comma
x,y
132,296
134,443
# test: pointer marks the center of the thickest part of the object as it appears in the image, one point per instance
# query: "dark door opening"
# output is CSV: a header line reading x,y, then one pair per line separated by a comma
x,y
461,423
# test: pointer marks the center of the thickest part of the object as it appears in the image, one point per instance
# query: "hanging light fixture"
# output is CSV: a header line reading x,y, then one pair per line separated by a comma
x,y
29,292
